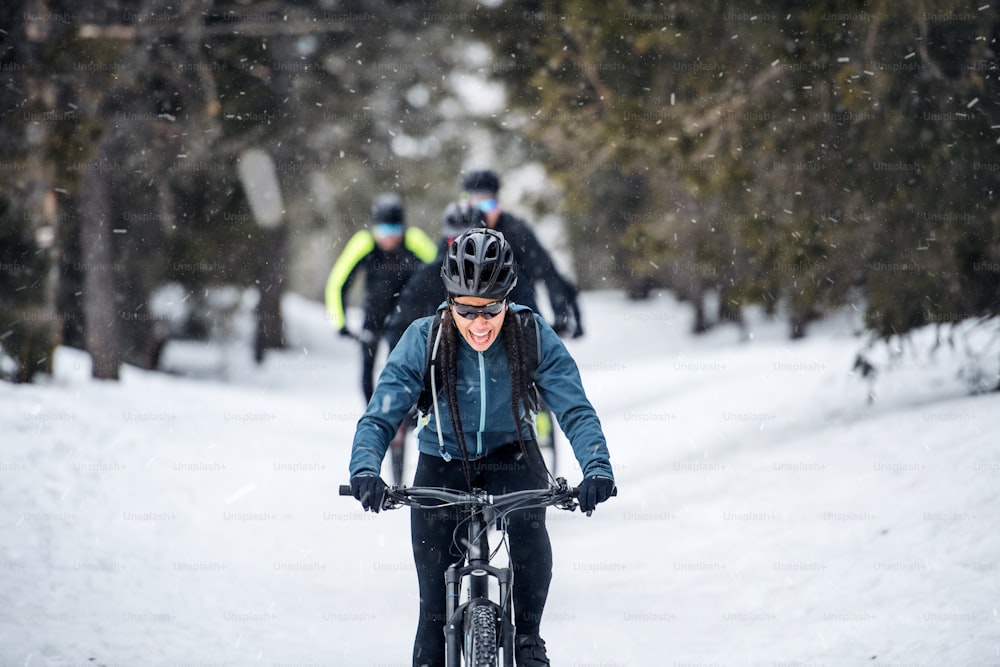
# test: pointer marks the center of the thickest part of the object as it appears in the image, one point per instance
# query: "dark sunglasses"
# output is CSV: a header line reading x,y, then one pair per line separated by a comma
x,y
489,311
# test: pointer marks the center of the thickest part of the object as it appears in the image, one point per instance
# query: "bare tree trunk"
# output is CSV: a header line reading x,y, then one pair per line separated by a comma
x,y
42,333
101,329
797,325
270,324
729,308
700,320
701,323
33,333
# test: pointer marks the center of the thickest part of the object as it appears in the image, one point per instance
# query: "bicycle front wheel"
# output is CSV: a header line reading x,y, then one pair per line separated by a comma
x,y
480,634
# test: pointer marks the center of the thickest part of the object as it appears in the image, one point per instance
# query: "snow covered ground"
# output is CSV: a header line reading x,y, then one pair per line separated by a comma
x,y
768,514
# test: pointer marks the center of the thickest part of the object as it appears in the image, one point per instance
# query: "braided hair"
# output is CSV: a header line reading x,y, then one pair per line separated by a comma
x,y
520,395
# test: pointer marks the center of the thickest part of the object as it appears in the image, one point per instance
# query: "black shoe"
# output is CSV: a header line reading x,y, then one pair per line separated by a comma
x,y
529,651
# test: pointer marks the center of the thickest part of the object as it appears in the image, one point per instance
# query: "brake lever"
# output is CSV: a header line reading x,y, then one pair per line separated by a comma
x,y
388,501
569,504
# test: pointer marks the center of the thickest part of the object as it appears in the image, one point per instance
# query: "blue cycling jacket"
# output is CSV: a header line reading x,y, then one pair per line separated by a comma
x,y
484,394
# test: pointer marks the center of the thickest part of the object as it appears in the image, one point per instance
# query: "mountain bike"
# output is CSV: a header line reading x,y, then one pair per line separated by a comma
x,y
481,629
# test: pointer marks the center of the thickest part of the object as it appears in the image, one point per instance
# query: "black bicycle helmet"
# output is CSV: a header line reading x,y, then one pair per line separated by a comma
x,y
387,209
479,263
459,217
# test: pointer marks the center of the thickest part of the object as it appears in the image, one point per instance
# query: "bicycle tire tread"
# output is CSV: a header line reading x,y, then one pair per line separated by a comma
x,y
481,628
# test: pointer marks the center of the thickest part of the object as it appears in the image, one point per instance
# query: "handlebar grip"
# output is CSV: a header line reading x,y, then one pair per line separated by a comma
x,y
345,490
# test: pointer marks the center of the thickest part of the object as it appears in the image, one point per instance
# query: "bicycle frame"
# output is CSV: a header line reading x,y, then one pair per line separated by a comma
x,y
478,569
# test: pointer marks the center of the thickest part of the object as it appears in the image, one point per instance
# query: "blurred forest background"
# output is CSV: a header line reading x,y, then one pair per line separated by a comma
x,y
803,156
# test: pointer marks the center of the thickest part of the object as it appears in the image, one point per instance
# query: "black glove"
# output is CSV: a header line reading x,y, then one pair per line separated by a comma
x,y
566,312
593,490
345,332
560,324
369,489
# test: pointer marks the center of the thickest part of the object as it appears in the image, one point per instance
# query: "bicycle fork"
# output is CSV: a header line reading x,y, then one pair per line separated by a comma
x,y
479,572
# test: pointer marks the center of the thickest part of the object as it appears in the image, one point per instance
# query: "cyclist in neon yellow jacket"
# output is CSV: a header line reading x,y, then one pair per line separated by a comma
x,y
388,254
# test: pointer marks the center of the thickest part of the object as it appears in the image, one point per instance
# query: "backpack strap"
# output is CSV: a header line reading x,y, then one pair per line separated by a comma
x,y
426,399
532,346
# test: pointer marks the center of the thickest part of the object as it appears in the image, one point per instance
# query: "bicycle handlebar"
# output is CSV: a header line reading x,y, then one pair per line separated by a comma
x,y
560,495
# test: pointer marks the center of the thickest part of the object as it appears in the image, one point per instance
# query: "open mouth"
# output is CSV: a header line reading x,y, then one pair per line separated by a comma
x,y
480,338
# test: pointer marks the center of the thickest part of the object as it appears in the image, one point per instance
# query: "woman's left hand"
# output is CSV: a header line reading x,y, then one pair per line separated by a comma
x,y
594,490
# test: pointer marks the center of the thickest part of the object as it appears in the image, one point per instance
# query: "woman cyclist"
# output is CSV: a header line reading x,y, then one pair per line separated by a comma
x,y
484,438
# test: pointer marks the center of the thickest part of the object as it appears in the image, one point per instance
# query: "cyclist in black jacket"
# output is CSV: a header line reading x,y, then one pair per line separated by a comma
x,y
480,207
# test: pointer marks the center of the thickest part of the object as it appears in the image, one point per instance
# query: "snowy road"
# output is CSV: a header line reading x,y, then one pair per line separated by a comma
x,y
768,515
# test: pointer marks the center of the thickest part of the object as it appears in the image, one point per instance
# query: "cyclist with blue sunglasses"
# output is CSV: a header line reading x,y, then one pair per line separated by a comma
x,y
388,254
480,189
479,432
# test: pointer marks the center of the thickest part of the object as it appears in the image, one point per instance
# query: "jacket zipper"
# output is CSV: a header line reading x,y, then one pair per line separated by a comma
x,y
482,404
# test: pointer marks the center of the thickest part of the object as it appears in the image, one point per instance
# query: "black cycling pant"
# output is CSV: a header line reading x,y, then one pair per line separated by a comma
x,y
369,349
371,334
433,532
